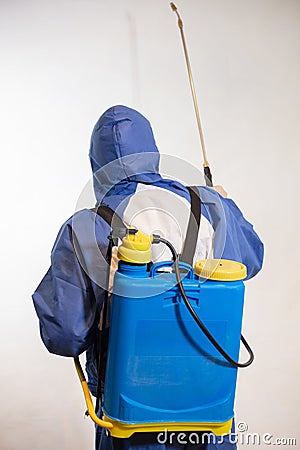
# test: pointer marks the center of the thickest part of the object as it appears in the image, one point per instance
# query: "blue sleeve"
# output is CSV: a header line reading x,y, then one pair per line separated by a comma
x,y
65,300
235,237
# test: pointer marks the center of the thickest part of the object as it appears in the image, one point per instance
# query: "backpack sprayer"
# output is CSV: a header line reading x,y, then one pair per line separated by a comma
x,y
162,372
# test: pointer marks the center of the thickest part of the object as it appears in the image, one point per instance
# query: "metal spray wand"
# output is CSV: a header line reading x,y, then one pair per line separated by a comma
x,y
207,172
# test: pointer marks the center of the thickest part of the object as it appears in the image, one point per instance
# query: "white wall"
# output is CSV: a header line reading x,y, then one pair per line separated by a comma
x,y
63,63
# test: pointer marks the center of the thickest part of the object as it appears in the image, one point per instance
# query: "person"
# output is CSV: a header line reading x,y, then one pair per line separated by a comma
x,y
126,178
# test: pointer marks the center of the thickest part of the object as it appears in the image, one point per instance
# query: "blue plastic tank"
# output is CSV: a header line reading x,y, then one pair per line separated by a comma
x,y
161,367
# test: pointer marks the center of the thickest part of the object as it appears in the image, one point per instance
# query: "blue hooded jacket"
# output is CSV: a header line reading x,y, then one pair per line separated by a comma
x,y
123,156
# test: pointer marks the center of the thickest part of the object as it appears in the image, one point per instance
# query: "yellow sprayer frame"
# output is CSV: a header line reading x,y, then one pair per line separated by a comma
x,y
125,430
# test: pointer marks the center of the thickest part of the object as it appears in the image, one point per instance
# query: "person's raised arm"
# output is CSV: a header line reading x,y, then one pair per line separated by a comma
x,y
234,236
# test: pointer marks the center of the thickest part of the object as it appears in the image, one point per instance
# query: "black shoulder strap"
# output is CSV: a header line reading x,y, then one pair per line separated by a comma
x,y
191,238
111,218
109,215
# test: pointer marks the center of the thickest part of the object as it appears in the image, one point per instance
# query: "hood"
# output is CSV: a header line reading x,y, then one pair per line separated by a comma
x,y
122,151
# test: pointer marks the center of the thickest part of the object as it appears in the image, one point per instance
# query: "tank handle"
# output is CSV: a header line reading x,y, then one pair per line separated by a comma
x,y
182,265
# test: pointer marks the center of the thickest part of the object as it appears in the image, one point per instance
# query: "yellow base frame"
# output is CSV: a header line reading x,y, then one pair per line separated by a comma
x,y
125,430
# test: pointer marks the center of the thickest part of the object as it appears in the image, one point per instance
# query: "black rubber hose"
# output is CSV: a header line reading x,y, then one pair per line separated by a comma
x,y
198,320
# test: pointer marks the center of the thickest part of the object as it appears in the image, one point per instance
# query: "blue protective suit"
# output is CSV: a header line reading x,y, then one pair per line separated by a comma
x,y
68,301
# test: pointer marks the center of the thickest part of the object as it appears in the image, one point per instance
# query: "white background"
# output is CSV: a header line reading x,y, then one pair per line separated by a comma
x,y
62,64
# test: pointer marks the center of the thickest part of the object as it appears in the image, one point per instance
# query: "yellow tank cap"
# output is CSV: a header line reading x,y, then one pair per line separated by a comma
x,y
136,248
220,270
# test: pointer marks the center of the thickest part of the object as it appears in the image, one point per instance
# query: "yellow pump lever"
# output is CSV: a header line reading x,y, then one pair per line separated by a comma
x,y
88,399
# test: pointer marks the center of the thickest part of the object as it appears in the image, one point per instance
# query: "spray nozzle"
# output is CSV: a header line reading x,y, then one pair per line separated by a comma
x,y
174,8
